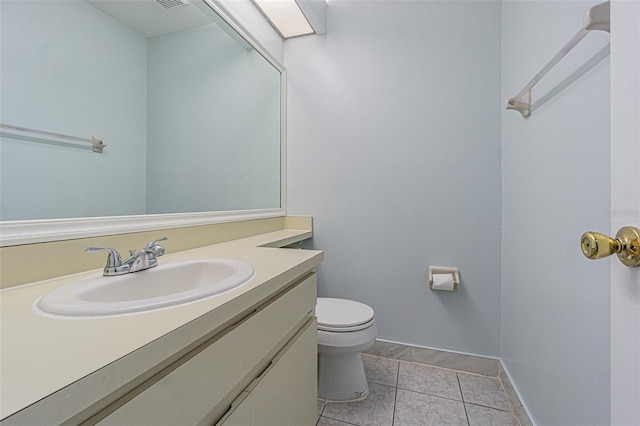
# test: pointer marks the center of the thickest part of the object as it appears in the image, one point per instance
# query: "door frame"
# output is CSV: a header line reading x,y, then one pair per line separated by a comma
x,y
625,209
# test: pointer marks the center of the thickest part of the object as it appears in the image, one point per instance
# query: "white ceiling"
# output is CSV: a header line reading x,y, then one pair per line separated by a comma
x,y
150,19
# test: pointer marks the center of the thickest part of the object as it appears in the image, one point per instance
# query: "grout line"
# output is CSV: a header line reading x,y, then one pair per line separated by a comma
x,y
337,420
436,366
324,405
460,387
491,408
395,399
463,403
430,394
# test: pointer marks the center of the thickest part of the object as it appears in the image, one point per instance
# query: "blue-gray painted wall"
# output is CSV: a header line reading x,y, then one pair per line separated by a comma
x,y
394,148
555,186
69,68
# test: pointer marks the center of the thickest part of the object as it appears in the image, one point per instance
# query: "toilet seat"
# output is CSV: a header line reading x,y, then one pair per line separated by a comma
x,y
340,315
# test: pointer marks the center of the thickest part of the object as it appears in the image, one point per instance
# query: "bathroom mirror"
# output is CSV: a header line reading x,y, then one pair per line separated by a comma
x,y
190,107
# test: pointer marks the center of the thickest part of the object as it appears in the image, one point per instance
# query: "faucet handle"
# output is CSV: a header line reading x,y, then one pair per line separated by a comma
x,y
155,242
114,261
154,248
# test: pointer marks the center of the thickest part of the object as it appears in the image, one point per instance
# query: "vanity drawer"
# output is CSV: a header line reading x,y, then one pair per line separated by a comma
x,y
205,381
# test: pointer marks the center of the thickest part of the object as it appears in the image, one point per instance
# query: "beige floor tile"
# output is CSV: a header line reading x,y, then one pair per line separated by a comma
x,y
324,421
377,409
391,350
383,371
430,380
454,361
483,416
425,395
414,408
483,390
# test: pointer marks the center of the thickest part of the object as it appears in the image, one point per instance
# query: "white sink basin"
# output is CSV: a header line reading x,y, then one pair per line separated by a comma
x,y
169,284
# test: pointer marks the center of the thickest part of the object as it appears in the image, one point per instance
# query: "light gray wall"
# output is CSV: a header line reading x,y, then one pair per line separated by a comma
x,y
394,148
69,68
214,124
555,174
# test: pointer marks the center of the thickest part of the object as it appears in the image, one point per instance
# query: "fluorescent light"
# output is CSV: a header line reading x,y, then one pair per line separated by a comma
x,y
285,16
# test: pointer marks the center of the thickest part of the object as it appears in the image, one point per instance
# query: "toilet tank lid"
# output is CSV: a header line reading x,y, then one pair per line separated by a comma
x,y
342,313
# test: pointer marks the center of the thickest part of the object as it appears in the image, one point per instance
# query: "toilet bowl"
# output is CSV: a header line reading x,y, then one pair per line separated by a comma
x,y
345,328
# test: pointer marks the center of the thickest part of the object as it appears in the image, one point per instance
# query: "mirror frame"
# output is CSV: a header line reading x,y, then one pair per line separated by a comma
x,y
21,232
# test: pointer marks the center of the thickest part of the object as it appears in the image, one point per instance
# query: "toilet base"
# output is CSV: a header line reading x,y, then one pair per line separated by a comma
x,y
341,377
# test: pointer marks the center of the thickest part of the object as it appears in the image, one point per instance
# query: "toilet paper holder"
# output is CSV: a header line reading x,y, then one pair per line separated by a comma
x,y
448,270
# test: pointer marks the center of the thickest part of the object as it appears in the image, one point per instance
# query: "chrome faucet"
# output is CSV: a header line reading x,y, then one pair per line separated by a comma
x,y
138,260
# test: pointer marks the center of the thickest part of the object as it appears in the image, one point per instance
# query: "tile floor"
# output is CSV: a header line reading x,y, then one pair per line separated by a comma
x,y
407,393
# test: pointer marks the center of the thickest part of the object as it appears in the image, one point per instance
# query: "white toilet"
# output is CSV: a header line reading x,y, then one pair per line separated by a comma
x,y
345,328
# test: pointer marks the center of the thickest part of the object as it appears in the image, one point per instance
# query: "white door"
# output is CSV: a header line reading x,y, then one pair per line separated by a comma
x,y
625,209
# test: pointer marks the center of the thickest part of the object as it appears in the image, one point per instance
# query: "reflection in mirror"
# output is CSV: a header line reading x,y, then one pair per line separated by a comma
x,y
189,113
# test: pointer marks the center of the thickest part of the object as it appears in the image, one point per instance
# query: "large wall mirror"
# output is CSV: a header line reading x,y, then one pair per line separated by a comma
x,y
190,107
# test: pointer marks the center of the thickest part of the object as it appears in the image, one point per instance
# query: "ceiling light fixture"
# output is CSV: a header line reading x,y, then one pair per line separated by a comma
x,y
285,16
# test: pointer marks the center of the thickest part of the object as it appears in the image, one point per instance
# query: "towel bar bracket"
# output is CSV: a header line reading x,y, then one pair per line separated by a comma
x,y
523,106
97,144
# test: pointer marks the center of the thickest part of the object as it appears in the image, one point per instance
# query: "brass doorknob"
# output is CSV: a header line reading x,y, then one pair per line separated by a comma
x,y
626,245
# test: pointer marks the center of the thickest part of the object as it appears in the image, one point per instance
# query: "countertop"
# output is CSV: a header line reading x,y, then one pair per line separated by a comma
x,y
40,356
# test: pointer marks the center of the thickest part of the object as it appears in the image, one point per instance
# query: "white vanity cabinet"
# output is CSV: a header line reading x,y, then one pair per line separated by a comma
x,y
252,360
261,370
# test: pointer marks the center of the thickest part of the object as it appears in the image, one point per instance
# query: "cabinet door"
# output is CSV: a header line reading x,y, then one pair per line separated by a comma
x,y
287,393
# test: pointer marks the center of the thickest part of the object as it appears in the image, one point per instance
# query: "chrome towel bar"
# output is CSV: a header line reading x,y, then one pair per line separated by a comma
x,y
596,18
97,143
